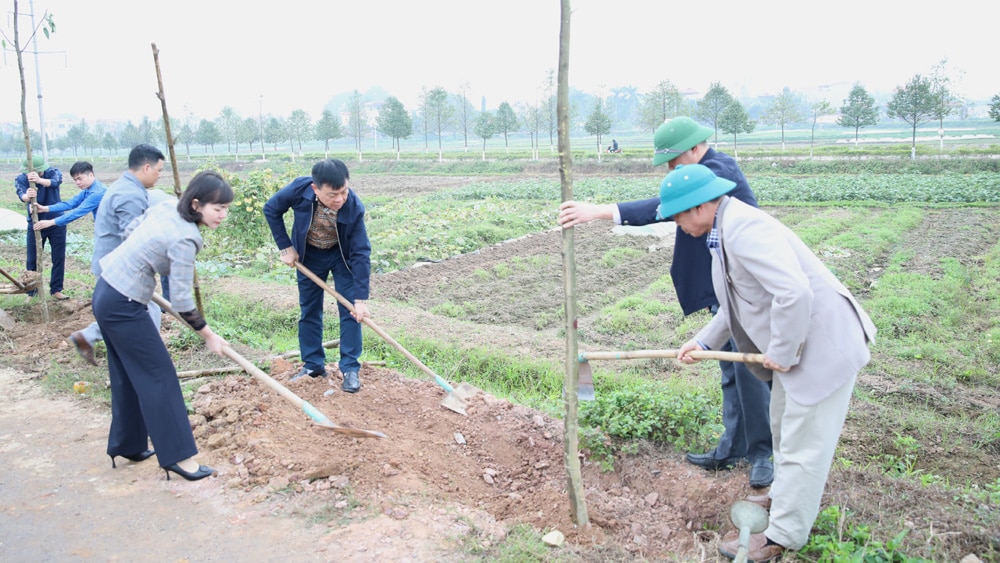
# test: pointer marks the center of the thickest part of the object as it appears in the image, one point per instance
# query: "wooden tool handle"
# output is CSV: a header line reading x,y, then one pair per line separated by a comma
x,y
371,324
266,379
15,281
697,354
236,357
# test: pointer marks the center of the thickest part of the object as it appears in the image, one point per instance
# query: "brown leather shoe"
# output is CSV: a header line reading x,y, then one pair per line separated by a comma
x,y
762,500
759,551
83,347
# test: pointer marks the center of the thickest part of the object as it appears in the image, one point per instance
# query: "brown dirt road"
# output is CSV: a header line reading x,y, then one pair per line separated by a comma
x,y
60,500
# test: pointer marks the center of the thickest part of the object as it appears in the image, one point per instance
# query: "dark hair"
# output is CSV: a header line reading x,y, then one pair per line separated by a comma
x,y
144,154
81,167
330,172
207,187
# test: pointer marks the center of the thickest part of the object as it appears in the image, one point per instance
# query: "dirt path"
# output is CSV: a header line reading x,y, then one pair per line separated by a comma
x,y
55,471
61,500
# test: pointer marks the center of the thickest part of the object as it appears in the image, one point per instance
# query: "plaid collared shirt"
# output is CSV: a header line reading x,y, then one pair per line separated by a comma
x,y
712,240
713,237
323,229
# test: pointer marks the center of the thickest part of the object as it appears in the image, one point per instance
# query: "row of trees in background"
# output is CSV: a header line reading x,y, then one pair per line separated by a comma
x,y
440,114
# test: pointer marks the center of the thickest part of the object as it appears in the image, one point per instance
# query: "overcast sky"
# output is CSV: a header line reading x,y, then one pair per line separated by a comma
x,y
297,54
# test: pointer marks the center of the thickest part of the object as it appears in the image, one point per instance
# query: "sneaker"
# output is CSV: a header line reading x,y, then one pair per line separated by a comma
x,y
306,371
351,382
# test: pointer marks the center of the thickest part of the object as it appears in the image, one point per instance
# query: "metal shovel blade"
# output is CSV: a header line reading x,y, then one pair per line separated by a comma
x,y
454,404
466,391
459,397
749,518
585,382
347,431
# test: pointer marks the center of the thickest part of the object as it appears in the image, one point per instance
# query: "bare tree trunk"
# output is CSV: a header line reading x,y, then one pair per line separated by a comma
x,y
578,504
39,255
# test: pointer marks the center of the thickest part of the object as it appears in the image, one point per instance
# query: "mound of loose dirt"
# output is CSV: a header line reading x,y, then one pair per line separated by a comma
x,y
504,459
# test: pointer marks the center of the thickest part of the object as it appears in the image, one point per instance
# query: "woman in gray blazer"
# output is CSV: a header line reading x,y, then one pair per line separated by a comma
x,y
776,297
146,399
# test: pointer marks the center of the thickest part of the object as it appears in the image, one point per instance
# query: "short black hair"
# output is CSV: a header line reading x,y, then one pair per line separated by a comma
x,y
81,167
330,172
207,186
143,154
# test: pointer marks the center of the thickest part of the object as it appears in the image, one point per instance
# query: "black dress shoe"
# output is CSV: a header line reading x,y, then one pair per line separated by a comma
x,y
306,371
134,457
761,473
203,471
710,462
351,383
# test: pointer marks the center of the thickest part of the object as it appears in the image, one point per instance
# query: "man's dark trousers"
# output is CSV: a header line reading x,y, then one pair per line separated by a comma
x,y
324,262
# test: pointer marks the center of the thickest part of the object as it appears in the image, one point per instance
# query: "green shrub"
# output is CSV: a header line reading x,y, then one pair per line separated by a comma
x,y
244,238
655,413
836,539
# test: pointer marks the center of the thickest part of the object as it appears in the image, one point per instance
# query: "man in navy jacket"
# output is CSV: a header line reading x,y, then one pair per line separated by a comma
x,y
328,237
745,399
42,183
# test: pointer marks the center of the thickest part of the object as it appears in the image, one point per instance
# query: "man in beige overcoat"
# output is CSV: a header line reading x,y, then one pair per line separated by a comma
x,y
777,298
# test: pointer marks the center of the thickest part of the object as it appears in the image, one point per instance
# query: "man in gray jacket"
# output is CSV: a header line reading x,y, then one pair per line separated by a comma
x,y
125,200
776,297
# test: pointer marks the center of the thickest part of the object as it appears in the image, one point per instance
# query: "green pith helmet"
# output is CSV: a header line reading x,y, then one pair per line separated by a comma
x,y
37,164
689,186
676,137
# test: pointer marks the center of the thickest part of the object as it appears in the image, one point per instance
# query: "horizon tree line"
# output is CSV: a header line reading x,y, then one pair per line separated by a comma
x,y
921,100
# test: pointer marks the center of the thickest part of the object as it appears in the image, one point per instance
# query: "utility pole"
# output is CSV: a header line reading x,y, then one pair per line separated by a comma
x,y
260,119
38,83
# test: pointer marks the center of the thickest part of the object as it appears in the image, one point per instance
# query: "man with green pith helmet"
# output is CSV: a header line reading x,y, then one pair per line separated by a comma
x,y
745,399
45,189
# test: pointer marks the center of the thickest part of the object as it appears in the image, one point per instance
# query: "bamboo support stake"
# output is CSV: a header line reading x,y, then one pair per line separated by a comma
x,y
166,122
173,158
234,369
578,504
193,373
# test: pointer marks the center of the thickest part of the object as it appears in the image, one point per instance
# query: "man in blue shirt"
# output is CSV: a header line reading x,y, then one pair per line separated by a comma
x,y
91,192
42,183
745,399
126,199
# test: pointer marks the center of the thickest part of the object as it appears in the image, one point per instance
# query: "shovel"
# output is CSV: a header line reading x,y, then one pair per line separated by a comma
x,y
319,418
749,518
29,281
457,397
585,381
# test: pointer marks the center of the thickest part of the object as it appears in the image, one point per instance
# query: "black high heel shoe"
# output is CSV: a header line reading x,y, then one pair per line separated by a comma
x,y
141,456
203,471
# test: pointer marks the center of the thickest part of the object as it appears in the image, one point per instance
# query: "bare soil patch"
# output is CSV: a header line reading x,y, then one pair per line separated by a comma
x,y
443,486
